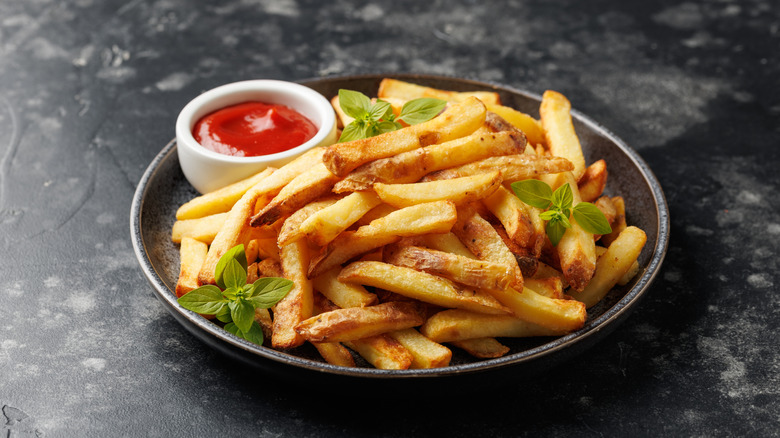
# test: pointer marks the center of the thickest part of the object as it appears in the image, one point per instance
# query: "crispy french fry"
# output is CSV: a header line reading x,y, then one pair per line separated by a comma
x,y
619,224
525,123
334,353
433,217
203,228
562,141
192,253
479,274
410,166
447,242
514,215
298,304
342,294
456,121
291,228
629,275
303,189
343,325
263,318
267,249
613,265
607,208
219,201
457,325
551,287
394,88
419,285
483,348
382,352
375,213
324,225
425,353
459,190
525,257
593,181
269,268
513,167
562,315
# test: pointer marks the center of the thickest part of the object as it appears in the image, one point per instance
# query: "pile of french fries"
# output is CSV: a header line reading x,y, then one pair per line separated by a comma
x,y
406,244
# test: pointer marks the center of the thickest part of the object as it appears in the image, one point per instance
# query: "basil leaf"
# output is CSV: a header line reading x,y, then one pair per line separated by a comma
x,y
354,131
234,276
564,220
591,219
223,314
379,110
243,313
268,291
563,198
533,192
235,253
549,215
254,334
354,103
385,126
421,110
233,328
389,115
555,231
205,300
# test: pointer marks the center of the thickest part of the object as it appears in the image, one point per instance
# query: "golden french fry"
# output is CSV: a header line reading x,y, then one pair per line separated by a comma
x,y
550,287
342,294
203,228
298,304
192,253
629,275
394,88
554,314
513,167
382,352
562,141
525,123
419,285
410,166
375,213
343,325
619,224
459,190
263,318
514,215
593,181
303,189
607,208
219,201
525,257
324,225
334,353
433,217
483,348
291,228
447,242
457,325
269,268
613,265
456,121
267,249
425,353
479,274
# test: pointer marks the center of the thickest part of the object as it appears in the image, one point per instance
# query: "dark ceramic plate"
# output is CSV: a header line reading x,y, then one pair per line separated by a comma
x,y
163,188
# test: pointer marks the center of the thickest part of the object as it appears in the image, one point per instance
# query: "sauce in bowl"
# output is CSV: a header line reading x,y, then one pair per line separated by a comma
x,y
252,129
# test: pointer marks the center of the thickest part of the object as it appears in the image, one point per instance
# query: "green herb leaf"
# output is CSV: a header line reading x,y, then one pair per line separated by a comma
x,y
591,219
236,253
234,275
386,126
354,103
549,215
254,335
354,131
563,198
379,110
223,315
555,231
421,110
243,313
206,300
533,192
268,291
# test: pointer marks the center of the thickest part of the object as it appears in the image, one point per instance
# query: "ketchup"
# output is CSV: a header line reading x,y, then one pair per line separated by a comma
x,y
251,129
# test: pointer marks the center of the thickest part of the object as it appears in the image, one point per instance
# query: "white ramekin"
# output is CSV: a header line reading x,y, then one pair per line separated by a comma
x,y
207,170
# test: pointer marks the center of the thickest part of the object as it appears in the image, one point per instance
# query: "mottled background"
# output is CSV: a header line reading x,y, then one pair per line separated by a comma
x,y
90,89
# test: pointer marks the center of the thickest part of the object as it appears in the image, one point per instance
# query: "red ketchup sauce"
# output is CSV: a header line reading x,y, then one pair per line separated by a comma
x,y
252,129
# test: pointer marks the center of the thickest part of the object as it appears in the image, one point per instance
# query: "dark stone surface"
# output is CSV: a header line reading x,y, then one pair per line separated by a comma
x,y
89,91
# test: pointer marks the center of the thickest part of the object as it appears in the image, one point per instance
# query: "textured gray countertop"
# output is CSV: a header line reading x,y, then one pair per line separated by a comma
x,y
89,92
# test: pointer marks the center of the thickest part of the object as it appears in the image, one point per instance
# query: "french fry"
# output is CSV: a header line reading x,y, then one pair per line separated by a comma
x,y
483,348
630,274
456,121
456,325
433,217
593,181
619,224
554,314
303,189
394,88
263,318
334,353
525,123
410,166
269,268
425,353
514,215
353,323
459,190
607,208
375,213
611,266
525,257
419,285
324,225
298,304
562,141
448,243
342,294
383,352
291,228
513,167
203,228
479,274
267,249
219,201
192,253
551,287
